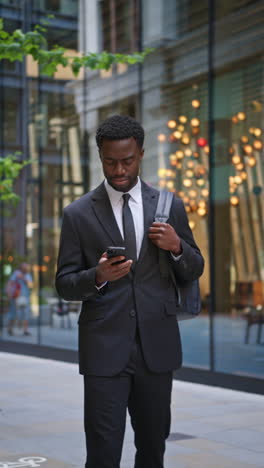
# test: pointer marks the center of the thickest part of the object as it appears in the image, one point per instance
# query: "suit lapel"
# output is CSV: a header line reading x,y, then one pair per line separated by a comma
x,y
104,213
150,201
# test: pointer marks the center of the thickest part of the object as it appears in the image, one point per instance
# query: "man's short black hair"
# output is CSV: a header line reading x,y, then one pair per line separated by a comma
x,y
119,127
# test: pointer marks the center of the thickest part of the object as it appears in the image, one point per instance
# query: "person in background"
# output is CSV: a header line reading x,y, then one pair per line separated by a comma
x,y
18,291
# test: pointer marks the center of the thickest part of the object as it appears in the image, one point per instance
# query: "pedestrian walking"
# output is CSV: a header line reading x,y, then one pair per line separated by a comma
x,y
18,291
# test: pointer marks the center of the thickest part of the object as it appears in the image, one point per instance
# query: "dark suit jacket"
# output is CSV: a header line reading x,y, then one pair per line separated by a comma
x,y
108,318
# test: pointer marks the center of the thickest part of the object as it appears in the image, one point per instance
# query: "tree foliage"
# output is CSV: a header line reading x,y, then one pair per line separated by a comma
x,y
10,168
17,45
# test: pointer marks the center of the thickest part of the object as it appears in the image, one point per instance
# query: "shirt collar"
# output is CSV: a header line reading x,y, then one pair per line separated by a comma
x,y
115,196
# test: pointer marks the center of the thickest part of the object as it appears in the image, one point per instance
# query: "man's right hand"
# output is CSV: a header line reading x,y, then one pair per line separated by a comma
x,y
107,271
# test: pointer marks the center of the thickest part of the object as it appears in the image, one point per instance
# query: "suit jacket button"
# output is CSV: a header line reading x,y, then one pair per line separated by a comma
x,y
132,313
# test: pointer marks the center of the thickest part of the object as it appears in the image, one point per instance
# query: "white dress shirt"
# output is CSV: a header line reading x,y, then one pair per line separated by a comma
x,y
135,205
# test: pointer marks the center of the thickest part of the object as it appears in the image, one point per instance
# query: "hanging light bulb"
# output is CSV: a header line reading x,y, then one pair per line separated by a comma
x,y
179,154
162,137
243,175
234,200
185,139
181,128
248,149
258,145
190,164
187,183
237,180
240,166
201,211
188,152
202,204
252,161
172,123
183,119
196,103
241,116
192,193
177,134
205,192
257,132
195,122
251,130
236,159
162,183
244,139
207,149
200,182
201,142
234,119
189,173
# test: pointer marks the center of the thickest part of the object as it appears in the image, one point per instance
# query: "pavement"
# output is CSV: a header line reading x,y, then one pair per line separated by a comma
x,y
41,421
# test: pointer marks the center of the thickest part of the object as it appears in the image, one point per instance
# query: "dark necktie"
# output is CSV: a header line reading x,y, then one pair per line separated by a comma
x,y
129,230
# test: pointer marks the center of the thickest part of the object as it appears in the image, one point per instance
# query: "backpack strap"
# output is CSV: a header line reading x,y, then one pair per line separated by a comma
x,y
162,216
164,206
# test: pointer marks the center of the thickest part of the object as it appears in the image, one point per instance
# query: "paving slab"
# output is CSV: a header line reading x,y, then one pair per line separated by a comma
x,y
41,421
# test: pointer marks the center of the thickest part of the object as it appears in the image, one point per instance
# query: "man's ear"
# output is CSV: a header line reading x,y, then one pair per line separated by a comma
x,y
142,153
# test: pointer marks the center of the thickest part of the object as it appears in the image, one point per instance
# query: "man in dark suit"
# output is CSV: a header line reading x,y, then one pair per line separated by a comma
x,y
129,340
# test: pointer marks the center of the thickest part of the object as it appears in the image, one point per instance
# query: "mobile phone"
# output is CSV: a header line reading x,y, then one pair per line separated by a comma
x,y
116,252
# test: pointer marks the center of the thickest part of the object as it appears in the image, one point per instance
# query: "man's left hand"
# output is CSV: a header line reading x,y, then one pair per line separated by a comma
x,y
165,237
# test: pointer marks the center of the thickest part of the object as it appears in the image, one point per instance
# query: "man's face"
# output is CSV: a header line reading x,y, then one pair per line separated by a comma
x,y
121,160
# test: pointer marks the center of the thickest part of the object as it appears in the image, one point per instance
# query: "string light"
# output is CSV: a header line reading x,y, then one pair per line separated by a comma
x,y
172,124
248,149
188,152
183,119
195,122
257,132
187,183
234,200
257,144
177,134
236,159
241,116
251,161
162,137
196,103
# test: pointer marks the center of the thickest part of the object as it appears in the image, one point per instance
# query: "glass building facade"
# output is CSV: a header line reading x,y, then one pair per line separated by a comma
x,y
199,96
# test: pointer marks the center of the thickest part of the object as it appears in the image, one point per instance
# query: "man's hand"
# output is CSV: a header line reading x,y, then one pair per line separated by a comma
x,y
165,237
107,271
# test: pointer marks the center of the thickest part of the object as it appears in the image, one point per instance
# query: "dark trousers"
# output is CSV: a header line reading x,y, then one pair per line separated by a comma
x,y
147,397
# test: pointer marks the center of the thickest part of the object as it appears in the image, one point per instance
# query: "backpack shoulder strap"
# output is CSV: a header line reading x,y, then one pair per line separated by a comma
x,y
164,206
